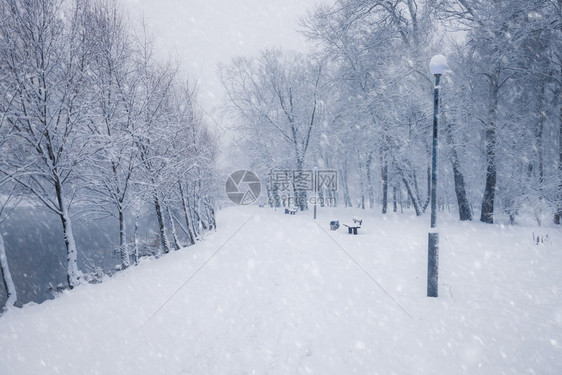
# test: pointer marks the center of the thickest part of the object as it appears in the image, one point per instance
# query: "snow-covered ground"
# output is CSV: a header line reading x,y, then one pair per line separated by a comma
x,y
284,295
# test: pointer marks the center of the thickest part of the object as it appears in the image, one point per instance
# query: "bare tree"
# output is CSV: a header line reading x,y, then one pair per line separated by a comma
x,y
280,92
47,57
113,159
8,202
8,198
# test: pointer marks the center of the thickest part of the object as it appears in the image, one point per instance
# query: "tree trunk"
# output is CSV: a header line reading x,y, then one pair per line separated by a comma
x,y
401,200
123,250
361,186
413,198
539,149
320,198
300,194
164,243
201,226
211,211
370,191
7,276
332,198
346,197
136,237
72,272
539,136
175,240
394,203
487,212
190,235
428,199
558,214
194,222
384,177
460,191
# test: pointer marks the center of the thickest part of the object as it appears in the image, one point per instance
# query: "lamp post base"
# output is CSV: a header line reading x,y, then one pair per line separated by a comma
x,y
432,264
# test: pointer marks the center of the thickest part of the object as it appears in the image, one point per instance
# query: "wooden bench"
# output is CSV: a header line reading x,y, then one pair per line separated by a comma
x,y
291,211
352,228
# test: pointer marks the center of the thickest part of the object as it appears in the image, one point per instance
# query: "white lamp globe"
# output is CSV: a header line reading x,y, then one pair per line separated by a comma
x,y
438,64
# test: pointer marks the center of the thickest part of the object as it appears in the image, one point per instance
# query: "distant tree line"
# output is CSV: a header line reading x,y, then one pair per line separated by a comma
x,y
362,103
91,121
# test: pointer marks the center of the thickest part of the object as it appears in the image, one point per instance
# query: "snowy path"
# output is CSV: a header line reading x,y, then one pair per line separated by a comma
x,y
281,297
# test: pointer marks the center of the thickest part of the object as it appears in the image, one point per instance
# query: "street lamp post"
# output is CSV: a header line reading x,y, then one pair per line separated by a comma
x,y
437,66
315,180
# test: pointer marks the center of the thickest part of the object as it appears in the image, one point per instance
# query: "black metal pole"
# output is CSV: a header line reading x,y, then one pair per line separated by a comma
x,y
433,236
315,180
434,154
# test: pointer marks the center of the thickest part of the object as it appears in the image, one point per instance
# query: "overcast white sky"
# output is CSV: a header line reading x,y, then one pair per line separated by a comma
x,y
202,33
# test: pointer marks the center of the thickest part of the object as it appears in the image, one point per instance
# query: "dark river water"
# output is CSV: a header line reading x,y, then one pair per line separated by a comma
x,y
37,256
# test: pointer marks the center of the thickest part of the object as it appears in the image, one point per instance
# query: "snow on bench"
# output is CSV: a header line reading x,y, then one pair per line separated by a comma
x,y
352,228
